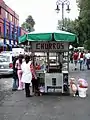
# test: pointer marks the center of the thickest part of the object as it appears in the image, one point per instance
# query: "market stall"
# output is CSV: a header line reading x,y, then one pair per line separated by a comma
x,y
51,57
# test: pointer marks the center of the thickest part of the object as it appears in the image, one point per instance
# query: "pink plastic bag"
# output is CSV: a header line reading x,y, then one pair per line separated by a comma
x,y
83,83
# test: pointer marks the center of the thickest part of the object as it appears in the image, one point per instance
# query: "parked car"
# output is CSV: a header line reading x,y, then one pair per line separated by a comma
x,y
6,63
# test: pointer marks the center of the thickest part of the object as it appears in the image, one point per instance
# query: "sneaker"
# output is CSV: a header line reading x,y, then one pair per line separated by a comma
x,y
14,89
19,88
77,95
29,96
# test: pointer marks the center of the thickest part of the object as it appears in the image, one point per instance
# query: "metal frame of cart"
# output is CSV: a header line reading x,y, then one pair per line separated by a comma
x,y
56,45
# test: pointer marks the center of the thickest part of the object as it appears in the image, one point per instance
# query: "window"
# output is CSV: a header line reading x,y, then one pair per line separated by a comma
x,y
12,34
4,58
54,81
7,32
15,21
11,18
6,14
0,29
0,10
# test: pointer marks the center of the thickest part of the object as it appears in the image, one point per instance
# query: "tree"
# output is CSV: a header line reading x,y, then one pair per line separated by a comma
x,y
84,21
67,23
29,23
81,26
69,26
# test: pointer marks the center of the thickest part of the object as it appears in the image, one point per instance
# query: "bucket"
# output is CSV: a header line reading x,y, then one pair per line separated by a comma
x,y
82,92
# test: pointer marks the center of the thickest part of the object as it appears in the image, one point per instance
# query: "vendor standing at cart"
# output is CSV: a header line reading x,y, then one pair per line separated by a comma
x,y
35,81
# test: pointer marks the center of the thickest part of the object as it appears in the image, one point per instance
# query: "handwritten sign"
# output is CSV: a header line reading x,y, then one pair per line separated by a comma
x,y
51,46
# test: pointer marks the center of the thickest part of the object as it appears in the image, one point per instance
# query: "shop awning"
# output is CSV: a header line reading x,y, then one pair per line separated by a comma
x,y
57,35
22,38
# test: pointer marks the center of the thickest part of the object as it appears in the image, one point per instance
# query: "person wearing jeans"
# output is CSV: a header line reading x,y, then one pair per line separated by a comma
x,y
75,58
87,57
15,76
81,61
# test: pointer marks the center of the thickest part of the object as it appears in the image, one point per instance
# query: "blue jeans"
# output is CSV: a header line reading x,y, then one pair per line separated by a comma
x,y
88,64
15,84
81,64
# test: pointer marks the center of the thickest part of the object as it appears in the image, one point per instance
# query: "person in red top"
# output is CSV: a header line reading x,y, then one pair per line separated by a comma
x,y
75,58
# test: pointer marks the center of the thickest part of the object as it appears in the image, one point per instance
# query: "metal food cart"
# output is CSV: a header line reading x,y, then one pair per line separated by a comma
x,y
50,52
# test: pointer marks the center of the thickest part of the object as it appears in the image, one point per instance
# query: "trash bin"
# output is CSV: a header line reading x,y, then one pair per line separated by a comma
x,y
82,92
82,87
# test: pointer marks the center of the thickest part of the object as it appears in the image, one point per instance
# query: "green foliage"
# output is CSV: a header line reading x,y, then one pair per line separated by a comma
x,y
80,26
70,26
29,23
84,22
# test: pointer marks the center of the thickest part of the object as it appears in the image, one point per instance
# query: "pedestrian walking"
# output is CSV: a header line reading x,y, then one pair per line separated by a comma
x,y
87,56
81,61
26,75
71,57
75,58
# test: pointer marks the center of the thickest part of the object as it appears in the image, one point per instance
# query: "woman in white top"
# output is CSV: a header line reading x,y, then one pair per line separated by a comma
x,y
26,74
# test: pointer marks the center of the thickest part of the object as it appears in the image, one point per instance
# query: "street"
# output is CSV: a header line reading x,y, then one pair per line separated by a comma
x,y
5,86
38,39
15,106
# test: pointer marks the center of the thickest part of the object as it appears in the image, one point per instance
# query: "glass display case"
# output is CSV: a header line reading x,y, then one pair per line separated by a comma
x,y
65,61
54,63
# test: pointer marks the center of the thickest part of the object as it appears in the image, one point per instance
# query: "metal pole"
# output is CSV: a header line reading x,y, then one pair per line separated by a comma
x,y
62,16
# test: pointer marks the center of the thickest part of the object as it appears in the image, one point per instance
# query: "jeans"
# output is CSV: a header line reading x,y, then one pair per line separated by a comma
x,y
75,62
15,84
88,64
81,64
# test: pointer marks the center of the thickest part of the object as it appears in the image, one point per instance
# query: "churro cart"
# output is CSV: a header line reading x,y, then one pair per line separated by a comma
x,y
50,52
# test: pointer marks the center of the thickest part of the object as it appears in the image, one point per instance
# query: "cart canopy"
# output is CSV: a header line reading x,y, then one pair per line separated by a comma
x,y
57,35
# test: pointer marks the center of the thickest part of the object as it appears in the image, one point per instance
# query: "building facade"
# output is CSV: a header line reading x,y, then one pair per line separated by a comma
x,y
9,26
